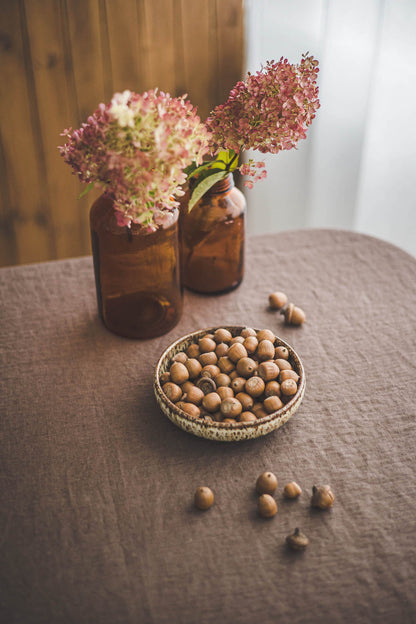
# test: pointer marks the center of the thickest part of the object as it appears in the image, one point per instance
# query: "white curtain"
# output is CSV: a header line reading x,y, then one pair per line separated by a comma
x,y
357,168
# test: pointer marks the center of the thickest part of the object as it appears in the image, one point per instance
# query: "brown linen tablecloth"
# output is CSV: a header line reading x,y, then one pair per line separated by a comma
x,y
97,521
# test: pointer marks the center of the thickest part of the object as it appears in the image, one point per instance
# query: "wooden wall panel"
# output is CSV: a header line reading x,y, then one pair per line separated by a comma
x,y
25,234
58,60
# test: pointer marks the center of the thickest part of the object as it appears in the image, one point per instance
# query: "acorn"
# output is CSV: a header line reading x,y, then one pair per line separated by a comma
x,y
194,367
221,349
222,380
250,344
172,391
211,402
203,498
207,358
266,483
225,392
281,352
210,370
230,408
236,352
254,386
277,300
288,387
180,357
272,404
165,377
222,335
238,384
322,497
288,374
267,506
292,490
189,408
272,389
297,540
246,367
248,331
206,344
245,399
265,350
194,395
293,315
247,417
206,384
265,334
178,373
268,370
193,351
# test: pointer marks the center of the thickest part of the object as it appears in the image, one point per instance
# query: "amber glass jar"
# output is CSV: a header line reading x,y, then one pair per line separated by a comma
x,y
137,274
212,239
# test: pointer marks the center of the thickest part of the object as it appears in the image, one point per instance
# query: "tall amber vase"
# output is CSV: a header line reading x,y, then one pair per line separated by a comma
x,y
137,276
212,239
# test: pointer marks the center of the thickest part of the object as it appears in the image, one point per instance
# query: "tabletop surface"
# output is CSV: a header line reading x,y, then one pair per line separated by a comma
x,y
97,520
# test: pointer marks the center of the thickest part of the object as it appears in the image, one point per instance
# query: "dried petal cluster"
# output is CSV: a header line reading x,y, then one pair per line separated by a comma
x,y
270,111
136,148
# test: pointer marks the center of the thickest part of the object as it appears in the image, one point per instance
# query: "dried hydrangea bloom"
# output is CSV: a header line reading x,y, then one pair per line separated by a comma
x,y
136,148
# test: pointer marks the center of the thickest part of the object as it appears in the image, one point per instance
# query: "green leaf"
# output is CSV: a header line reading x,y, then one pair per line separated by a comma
x,y
203,186
190,169
197,170
86,190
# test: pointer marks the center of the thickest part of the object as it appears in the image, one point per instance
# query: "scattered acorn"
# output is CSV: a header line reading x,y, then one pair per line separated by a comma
x,y
292,490
267,506
293,315
266,483
277,300
204,498
297,540
322,497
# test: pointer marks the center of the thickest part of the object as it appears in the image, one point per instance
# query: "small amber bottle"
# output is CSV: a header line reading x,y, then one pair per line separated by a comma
x,y
137,274
212,239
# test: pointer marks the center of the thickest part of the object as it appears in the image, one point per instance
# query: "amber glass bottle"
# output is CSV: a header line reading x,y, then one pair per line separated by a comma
x,y
212,239
137,274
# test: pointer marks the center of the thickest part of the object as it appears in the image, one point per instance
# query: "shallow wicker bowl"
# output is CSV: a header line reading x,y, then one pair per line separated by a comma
x,y
225,432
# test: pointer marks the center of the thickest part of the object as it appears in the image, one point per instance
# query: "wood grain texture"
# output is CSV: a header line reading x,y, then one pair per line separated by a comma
x,y
59,60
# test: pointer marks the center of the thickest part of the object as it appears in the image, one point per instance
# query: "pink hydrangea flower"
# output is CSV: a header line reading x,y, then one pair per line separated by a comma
x,y
270,111
136,148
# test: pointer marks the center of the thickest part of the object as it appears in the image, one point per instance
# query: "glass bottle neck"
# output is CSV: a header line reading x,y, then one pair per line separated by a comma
x,y
222,186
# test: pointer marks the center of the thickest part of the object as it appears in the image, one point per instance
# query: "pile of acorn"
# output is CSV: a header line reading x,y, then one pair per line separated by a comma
x,y
230,379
